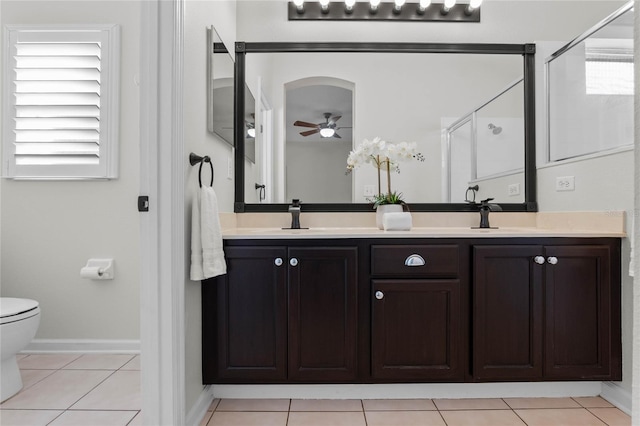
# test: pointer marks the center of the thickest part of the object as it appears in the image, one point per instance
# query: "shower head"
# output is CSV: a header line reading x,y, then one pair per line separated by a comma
x,y
495,129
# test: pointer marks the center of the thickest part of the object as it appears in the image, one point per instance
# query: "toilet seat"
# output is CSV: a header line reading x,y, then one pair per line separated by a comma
x,y
13,309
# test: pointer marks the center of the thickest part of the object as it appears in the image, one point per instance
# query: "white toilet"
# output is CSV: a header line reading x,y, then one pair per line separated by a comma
x,y
19,320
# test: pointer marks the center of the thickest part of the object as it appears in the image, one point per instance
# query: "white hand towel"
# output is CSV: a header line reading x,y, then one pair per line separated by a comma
x,y
397,221
207,255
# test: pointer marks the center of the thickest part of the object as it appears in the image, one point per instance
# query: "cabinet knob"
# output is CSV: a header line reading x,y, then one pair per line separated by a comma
x,y
552,260
414,260
293,261
539,260
379,295
278,261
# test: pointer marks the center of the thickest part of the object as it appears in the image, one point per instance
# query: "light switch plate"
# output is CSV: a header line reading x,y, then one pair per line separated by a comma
x,y
369,190
513,189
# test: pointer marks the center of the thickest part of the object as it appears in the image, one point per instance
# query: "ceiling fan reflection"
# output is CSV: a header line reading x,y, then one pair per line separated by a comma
x,y
327,129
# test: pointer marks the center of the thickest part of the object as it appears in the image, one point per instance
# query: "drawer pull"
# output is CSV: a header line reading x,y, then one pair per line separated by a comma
x,y
414,260
278,261
539,260
379,295
552,260
293,261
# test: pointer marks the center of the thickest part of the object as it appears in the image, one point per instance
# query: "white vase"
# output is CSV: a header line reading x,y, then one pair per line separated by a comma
x,y
386,208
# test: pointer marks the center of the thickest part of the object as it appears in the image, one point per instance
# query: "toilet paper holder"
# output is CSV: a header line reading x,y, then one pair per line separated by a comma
x,y
98,269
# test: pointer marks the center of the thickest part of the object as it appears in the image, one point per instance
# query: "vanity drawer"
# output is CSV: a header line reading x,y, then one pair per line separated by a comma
x,y
407,260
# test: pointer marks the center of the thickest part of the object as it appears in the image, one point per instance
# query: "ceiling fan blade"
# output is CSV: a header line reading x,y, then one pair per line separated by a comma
x,y
334,119
335,135
309,132
305,124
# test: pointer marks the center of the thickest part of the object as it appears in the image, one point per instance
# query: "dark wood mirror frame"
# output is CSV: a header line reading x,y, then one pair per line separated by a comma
x,y
527,51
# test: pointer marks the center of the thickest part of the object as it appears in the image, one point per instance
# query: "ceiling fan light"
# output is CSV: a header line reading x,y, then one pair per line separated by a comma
x,y
327,132
251,132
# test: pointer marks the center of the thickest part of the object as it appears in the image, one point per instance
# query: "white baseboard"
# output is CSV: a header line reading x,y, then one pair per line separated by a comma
x,y
617,395
200,408
411,390
83,346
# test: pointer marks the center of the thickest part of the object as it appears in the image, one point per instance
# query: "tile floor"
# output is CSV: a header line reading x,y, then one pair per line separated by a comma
x,y
75,389
414,412
104,390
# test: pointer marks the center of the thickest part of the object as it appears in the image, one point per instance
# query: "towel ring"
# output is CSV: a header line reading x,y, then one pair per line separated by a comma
x,y
205,160
195,159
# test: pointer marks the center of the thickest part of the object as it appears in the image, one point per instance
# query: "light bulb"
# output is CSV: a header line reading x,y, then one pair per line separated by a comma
x,y
299,4
398,5
425,4
324,5
374,5
251,133
449,3
327,132
474,4
348,4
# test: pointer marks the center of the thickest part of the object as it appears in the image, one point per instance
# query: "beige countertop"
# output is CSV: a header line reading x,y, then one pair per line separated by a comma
x,y
427,225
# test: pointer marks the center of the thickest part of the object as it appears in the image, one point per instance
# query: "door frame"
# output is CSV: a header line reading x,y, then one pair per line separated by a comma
x,y
162,262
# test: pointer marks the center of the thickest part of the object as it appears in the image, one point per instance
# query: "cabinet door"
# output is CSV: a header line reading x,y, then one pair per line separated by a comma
x,y
507,312
417,330
322,314
581,320
252,314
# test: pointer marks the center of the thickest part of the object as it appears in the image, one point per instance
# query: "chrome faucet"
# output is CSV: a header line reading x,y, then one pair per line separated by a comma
x,y
485,208
294,209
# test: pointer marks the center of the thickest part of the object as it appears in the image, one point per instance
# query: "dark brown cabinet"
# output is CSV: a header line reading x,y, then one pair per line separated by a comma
x,y
417,313
247,324
416,331
414,310
547,312
323,313
283,313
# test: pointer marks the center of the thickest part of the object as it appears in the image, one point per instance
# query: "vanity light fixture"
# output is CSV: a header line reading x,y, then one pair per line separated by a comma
x,y
348,6
473,5
299,4
423,5
387,10
446,7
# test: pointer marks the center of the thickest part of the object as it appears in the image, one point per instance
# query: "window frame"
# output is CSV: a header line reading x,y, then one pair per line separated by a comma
x,y
109,37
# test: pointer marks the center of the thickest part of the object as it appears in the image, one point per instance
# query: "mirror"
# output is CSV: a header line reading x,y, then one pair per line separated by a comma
x,y
590,90
220,71
484,150
401,92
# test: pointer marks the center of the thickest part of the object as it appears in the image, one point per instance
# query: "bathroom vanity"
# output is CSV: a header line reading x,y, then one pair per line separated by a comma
x,y
430,305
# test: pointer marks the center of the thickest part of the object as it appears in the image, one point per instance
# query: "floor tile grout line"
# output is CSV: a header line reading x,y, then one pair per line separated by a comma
x,y
92,389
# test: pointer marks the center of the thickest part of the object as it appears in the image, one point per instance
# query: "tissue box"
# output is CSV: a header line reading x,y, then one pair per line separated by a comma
x,y
397,221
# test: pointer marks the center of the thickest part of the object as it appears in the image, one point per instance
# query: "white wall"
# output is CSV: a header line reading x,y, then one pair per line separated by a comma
x,y
50,229
316,172
198,16
602,183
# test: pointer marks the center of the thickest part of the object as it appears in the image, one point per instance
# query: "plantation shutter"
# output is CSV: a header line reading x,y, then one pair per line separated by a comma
x,y
63,92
